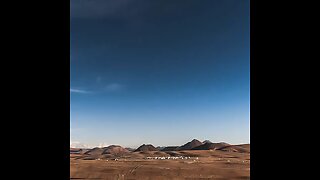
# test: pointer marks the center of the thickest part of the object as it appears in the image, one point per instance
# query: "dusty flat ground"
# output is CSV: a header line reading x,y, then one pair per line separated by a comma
x,y
208,165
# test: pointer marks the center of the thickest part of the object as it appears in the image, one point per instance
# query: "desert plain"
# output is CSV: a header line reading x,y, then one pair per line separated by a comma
x,y
114,162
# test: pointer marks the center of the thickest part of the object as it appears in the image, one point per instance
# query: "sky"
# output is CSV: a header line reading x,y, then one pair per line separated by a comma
x,y
159,72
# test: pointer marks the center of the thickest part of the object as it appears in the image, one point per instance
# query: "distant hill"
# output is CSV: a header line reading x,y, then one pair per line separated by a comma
x,y
159,148
146,147
130,149
75,151
211,146
112,149
190,145
193,148
170,148
243,148
95,151
115,150
206,141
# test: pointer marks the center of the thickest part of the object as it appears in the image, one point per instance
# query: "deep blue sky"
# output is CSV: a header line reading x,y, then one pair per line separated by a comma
x,y
160,72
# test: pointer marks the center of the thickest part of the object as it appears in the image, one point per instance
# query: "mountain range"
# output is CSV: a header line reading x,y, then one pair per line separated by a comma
x,y
192,145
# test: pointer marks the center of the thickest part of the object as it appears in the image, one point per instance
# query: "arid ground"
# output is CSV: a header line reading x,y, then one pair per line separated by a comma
x,y
196,164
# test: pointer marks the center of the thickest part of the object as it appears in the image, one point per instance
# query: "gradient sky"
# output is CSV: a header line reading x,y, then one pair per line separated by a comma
x,y
161,72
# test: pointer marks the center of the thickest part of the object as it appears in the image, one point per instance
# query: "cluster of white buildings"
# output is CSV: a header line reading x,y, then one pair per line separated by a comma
x,y
169,157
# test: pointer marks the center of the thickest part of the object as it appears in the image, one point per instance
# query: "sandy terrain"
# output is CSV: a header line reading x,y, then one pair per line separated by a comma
x,y
203,164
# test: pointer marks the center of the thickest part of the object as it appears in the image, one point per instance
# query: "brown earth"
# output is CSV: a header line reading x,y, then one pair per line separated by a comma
x,y
245,148
202,164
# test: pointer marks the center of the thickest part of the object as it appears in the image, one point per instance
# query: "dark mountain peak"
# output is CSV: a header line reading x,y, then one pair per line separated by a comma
x,y
190,145
146,147
114,149
211,146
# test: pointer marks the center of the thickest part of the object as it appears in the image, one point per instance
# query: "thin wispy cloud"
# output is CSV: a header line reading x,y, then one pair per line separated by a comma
x,y
105,87
114,87
78,91
98,79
